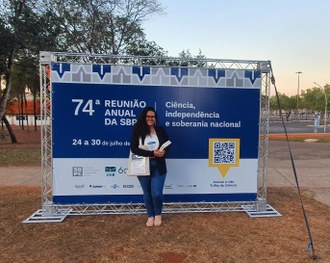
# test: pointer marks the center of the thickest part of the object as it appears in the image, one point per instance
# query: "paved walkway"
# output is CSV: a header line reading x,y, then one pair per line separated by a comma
x,y
312,161
20,176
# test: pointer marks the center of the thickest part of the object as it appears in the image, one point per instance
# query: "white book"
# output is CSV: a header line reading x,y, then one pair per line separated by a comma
x,y
164,145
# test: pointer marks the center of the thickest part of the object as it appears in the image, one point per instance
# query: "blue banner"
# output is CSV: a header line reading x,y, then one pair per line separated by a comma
x,y
95,121
211,117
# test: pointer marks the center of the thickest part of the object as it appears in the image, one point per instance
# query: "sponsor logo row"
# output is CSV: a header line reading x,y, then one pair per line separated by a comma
x,y
100,186
126,186
110,171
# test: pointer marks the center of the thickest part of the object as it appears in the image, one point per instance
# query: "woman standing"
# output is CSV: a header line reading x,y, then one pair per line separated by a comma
x,y
152,137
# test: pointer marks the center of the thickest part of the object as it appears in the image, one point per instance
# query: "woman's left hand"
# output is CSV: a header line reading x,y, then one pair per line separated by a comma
x,y
158,153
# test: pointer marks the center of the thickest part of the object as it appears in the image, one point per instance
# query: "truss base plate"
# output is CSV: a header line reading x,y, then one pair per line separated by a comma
x,y
269,212
38,217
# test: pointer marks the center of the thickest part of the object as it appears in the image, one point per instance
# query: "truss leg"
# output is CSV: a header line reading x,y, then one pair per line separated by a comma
x,y
40,217
268,212
261,205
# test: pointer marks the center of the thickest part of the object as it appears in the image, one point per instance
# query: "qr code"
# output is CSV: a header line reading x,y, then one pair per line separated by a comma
x,y
224,153
77,171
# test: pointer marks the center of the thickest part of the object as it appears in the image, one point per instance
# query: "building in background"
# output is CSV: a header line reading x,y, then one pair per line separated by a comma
x,y
23,111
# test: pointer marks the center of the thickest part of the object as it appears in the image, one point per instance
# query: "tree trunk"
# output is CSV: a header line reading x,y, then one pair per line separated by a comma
x,y
22,111
19,110
35,109
5,95
9,61
10,130
26,110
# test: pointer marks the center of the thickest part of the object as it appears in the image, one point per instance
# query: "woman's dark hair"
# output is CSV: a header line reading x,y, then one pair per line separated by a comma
x,y
141,128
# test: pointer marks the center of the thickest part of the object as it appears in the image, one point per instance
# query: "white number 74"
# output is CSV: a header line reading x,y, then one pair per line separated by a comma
x,y
88,107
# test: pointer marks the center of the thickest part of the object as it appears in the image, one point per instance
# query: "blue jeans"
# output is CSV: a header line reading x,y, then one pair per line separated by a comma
x,y
152,187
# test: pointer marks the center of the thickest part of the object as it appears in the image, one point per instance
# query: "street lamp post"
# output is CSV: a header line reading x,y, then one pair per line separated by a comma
x,y
325,108
298,72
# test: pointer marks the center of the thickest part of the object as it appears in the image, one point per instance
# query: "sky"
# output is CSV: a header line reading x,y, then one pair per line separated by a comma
x,y
293,34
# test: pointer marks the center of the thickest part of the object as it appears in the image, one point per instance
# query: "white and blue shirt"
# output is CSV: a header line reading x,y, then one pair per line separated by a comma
x,y
152,142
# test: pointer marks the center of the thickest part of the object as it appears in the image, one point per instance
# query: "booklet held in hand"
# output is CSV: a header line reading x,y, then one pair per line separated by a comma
x,y
164,145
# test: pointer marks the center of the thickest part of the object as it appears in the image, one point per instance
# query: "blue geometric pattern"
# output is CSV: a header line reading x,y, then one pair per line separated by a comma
x,y
253,75
61,68
216,74
101,69
140,71
156,75
179,73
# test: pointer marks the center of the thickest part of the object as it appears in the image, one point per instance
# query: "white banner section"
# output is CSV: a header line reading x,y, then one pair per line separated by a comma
x,y
99,177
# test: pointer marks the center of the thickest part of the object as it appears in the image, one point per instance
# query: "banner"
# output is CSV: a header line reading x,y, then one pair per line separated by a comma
x,y
211,116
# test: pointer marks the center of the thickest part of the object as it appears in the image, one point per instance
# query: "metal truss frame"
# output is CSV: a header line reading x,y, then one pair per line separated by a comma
x,y
51,210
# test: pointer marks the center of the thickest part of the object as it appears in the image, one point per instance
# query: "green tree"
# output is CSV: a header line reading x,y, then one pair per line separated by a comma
x,y
327,93
314,99
146,48
12,15
100,26
23,33
288,104
25,76
192,60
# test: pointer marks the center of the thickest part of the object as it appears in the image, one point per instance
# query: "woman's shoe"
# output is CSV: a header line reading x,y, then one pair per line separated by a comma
x,y
158,220
150,222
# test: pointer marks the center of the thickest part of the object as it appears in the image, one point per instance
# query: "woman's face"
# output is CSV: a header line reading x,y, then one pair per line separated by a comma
x,y
150,118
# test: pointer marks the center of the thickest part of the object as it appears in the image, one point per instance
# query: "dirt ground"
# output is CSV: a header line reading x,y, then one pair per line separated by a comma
x,y
26,152
194,237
